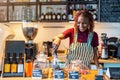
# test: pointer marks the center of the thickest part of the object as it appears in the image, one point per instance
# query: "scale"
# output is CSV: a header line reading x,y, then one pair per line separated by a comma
x,y
113,72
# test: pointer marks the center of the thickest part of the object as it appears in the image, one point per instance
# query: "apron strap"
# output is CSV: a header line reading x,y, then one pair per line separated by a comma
x,y
75,36
90,37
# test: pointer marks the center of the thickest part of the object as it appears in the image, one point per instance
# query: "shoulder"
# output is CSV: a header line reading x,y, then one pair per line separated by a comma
x,y
95,34
69,30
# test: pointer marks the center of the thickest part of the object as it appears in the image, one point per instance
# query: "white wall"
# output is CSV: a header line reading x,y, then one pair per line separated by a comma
x,y
47,34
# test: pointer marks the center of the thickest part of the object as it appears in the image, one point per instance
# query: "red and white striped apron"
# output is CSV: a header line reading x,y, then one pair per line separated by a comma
x,y
81,51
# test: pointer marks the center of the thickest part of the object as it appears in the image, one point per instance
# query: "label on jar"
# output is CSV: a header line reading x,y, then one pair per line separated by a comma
x,y
73,75
37,74
59,74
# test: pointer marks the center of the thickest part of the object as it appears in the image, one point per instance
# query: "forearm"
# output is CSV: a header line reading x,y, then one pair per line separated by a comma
x,y
57,40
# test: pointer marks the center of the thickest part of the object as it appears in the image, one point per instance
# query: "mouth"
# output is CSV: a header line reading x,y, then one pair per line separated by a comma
x,y
82,29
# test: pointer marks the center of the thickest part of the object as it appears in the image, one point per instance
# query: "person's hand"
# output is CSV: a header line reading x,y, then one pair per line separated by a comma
x,y
56,43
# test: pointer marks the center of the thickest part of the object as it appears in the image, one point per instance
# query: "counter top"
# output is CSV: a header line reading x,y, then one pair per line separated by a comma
x,y
109,60
90,76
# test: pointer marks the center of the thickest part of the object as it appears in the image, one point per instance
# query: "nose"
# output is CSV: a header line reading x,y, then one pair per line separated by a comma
x,y
81,25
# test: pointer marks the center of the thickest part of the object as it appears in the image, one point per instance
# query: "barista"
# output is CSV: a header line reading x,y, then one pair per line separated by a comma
x,y
83,40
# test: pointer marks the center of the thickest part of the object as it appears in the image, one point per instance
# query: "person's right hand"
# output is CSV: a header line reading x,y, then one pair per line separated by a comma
x,y
56,43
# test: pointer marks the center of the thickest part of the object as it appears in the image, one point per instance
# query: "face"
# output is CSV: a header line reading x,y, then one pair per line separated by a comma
x,y
83,23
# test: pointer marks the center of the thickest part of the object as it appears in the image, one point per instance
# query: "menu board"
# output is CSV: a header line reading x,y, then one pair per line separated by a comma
x,y
109,10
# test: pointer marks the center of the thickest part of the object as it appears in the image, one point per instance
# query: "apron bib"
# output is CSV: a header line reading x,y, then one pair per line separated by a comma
x,y
81,51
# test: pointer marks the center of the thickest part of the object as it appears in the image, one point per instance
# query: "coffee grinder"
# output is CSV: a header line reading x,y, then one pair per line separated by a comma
x,y
105,47
30,30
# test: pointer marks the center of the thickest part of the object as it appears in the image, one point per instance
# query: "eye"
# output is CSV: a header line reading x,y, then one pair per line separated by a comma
x,y
84,24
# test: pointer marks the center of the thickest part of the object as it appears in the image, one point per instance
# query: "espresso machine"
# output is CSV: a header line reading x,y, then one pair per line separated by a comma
x,y
30,30
105,47
113,47
118,52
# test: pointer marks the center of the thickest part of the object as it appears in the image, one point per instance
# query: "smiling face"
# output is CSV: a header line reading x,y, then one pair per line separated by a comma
x,y
83,23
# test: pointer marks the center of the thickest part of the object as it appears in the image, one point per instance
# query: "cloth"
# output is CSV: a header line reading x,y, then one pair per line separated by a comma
x,y
82,37
81,51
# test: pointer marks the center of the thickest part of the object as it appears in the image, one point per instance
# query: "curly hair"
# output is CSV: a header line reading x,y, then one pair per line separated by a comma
x,y
86,14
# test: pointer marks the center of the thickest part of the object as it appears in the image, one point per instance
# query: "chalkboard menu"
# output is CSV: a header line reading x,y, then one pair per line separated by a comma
x,y
109,10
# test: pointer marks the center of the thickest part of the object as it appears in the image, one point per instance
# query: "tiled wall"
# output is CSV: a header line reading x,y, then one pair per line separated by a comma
x,y
47,31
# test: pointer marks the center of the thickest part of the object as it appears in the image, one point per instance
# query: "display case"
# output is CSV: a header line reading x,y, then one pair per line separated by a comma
x,y
13,60
46,10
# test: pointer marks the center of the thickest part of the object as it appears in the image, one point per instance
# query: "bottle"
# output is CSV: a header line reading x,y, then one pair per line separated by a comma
x,y
64,17
20,64
28,66
95,15
14,64
70,16
74,10
50,13
47,13
42,16
58,13
7,63
53,16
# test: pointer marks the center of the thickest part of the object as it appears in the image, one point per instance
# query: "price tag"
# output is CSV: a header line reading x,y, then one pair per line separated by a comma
x,y
37,74
59,74
73,75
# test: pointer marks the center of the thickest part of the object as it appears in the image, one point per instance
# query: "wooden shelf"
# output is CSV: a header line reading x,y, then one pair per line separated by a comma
x,y
83,2
39,5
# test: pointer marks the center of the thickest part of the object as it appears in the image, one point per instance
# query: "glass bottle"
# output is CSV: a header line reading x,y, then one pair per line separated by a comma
x,y
53,15
50,13
7,63
74,10
28,66
64,17
14,64
58,13
2,14
42,16
95,15
20,64
70,16
47,13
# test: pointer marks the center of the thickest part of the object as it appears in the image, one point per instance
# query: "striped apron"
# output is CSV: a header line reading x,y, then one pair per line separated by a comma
x,y
81,51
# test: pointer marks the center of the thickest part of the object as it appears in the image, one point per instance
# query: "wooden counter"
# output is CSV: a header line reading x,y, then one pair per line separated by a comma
x,y
90,76
109,60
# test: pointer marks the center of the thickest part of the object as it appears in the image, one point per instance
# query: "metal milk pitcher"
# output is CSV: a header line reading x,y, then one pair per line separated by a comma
x,y
104,53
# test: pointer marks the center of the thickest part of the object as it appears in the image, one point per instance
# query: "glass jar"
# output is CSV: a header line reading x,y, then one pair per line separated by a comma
x,y
43,64
27,13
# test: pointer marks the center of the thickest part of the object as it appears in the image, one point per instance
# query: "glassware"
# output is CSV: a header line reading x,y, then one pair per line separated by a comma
x,y
27,13
76,65
2,14
42,64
